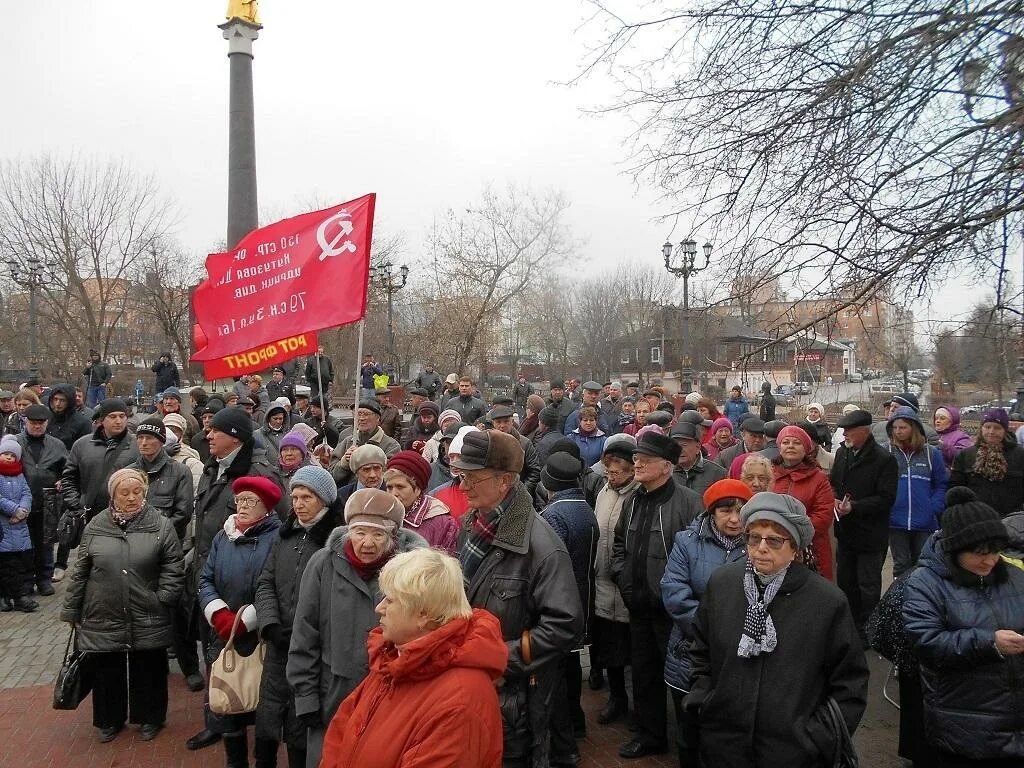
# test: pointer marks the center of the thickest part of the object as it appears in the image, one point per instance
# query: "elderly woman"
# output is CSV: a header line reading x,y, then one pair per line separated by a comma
x,y
314,515
952,438
406,478
126,581
712,540
994,466
963,609
797,474
227,589
589,437
719,437
772,642
435,660
292,454
327,658
757,473
368,462
534,405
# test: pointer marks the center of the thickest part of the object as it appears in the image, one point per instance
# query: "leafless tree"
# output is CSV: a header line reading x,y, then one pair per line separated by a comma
x,y
842,147
487,258
89,225
163,282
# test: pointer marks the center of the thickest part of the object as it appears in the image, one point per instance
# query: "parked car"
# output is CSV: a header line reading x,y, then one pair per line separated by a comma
x,y
855,378
803,387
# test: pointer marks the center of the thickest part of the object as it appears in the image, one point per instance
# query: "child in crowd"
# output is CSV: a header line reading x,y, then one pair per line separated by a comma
x,y
15,543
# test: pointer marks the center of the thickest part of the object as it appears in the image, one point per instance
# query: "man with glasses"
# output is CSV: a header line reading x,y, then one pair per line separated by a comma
x,y
650,519
516,567
233,454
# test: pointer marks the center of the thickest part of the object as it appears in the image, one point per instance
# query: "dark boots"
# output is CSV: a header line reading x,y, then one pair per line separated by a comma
x,y
265,753
236,749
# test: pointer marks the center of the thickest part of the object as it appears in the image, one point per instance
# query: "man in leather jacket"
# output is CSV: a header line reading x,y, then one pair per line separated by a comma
x,y
516,567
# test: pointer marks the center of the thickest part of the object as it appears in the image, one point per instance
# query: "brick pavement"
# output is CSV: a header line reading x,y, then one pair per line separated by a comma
x,y
34,735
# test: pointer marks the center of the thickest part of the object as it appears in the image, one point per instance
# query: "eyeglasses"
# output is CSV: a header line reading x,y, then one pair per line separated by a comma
x,y
246,502
471,482
774,542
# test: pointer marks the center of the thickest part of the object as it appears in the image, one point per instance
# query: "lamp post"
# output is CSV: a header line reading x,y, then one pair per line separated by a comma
x,y
681,261
391,283
30,280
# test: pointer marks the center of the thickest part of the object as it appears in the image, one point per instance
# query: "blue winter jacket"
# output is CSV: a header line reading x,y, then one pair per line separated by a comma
x,y
232,567
572,422
921,487
591,446
573,519
14,493
696,554
973,698
734,410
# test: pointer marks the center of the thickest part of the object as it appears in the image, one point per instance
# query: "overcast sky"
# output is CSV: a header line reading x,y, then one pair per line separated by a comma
x,y
422,103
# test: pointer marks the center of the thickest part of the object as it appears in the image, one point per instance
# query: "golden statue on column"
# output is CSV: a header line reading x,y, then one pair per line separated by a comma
x,y
246,10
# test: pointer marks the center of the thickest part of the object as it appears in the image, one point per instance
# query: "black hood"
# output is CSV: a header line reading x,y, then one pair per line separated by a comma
x,y
68,390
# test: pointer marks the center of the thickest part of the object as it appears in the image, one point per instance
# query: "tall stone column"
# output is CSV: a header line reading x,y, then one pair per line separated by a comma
x,y
243,214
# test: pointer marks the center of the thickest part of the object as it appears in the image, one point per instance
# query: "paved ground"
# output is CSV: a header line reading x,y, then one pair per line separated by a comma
x,y
34,735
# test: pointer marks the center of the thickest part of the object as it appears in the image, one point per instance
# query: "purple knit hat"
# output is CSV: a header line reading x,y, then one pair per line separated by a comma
x,y
294,439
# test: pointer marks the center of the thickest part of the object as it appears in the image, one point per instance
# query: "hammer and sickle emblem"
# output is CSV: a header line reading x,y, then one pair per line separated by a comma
x,y
331,247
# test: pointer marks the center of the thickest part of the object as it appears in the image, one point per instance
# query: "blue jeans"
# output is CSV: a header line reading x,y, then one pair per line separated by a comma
x,y
94,395
906,548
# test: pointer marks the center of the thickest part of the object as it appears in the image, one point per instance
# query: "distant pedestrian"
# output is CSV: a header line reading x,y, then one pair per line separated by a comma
x,y
166,373
97,376
767,406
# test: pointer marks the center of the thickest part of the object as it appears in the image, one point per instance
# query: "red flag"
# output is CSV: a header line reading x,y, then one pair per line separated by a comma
x,y
252,360
284,281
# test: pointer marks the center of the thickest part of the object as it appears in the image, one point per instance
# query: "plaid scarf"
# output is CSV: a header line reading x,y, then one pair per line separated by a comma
x,y
758,630
728,544
478,542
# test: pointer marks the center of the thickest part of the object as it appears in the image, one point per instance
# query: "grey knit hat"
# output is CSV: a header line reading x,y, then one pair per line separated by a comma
x,y
318,480
787,511
367,454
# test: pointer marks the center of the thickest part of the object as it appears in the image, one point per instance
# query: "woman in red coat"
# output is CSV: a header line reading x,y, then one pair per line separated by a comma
x,y
797,473
429,700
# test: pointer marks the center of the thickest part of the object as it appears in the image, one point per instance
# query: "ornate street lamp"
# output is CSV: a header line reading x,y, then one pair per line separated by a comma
x,y
30,279
681,261
383,274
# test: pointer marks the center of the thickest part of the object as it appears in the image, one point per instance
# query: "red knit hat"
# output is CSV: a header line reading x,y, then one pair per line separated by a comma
x,y
726,489
264,487
797,432
412,465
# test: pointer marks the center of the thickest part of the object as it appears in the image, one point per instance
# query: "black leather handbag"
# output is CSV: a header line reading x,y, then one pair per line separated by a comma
x,y
69,532
53,508
74,681
845,756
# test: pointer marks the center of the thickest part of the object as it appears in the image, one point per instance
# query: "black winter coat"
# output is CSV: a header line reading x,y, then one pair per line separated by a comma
x,y
1005,496
563,407
573,519
470,409
93,459
870,478
69,425
47,471
973,699
701,475
277,594
166,375
125,583
766,710
170,489
663,512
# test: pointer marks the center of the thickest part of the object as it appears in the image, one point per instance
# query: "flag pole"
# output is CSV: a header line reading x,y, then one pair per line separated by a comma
x,y
324,397
359,372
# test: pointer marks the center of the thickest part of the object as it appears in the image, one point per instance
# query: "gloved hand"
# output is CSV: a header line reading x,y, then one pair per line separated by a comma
x,y
222,621
275,635
310,719
418,445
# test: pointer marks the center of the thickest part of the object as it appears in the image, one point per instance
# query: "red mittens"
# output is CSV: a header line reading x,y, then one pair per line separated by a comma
x,y
222,621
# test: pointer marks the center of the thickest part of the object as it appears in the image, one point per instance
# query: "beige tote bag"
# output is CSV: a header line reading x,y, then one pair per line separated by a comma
x,y
235,679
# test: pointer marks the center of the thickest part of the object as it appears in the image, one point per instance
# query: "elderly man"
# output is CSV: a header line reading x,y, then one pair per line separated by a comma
x,y
864,477
470,409
423,427
43,457
233,454
650,519
562,405
501,416
278,387
367,431
390,416
611,407
92,460
368,463
170,483
693,470
7,409
172,404
516,567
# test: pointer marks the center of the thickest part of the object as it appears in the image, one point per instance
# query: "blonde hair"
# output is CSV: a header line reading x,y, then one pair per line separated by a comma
x,y
426,581
27,394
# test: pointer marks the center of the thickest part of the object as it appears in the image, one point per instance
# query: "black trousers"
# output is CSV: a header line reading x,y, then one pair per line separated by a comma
x,y
15,574
947,760
566,712
42,554
859,575
185,650
129,687
687,732
648,641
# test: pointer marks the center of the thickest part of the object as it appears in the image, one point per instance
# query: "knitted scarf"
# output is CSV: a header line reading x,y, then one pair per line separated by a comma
x,y
11,468
758,630
122,518
991,462
478,542
728,544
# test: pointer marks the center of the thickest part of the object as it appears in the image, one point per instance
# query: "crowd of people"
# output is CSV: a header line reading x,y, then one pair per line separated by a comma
x,y
420,593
